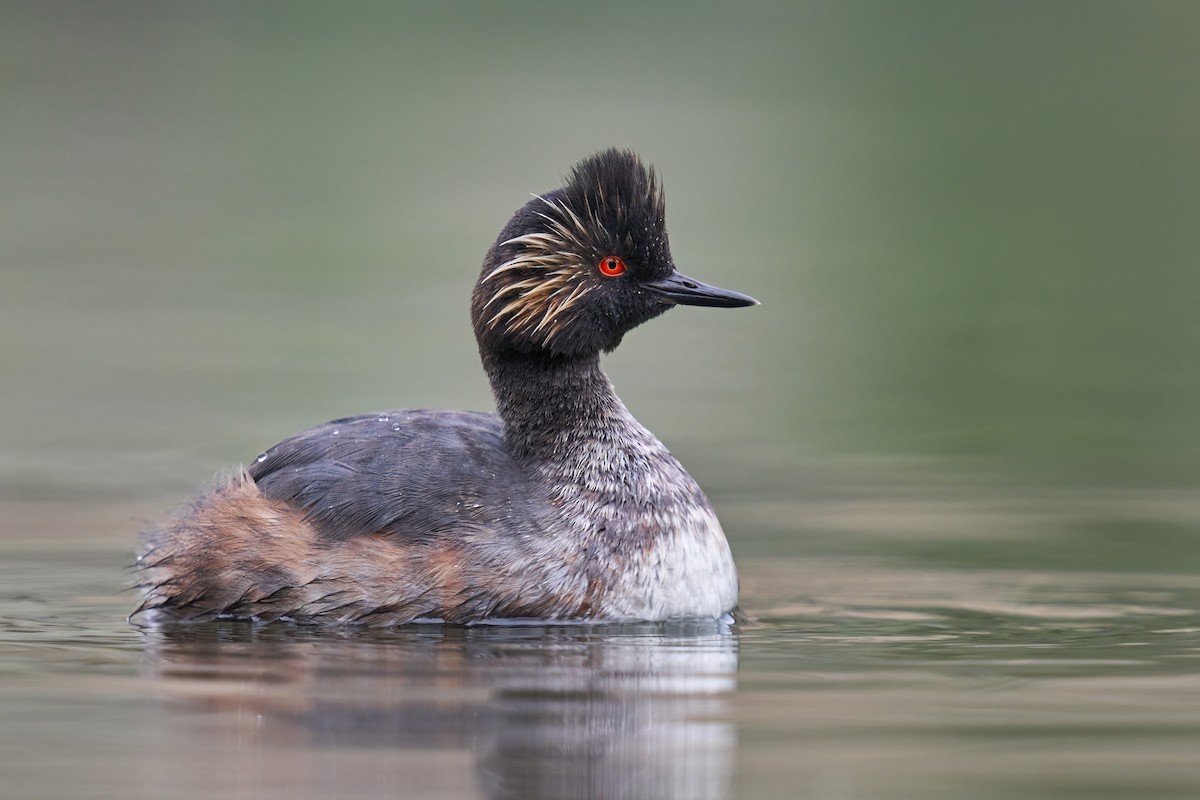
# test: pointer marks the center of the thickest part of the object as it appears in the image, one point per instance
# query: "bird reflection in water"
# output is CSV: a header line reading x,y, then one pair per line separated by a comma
x,y
604,711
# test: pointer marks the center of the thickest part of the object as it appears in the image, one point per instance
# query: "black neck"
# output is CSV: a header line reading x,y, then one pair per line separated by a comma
x,y
548,403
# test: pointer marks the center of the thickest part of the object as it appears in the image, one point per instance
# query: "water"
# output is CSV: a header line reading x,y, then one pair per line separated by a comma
x,y
847,681
956,450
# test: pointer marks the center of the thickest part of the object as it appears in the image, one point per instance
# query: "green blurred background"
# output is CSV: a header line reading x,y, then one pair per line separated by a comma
x,y
973,227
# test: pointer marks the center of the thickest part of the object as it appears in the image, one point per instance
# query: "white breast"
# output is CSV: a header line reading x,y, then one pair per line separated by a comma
x,y
686,573
663,554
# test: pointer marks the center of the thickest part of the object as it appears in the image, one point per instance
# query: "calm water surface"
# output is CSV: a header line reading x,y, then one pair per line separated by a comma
x,y
847,681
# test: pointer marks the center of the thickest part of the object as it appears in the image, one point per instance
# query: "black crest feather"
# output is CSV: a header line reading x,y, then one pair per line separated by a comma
x,y
616,186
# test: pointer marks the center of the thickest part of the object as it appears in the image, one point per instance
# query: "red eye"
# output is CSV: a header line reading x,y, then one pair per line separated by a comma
x,y
612,266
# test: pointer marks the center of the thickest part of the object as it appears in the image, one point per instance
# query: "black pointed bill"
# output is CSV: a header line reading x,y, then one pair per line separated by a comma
x,y
680,289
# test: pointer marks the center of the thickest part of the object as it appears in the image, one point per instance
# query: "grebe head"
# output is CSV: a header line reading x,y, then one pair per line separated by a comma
x,y
578,267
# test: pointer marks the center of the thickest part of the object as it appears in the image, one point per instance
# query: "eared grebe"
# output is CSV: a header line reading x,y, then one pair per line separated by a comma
x,y
562,507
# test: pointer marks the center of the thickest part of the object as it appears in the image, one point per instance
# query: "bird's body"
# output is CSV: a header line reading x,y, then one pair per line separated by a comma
x,y
560,507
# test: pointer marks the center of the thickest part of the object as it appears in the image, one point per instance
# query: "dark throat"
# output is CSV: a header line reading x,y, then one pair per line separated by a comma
x,y
549,404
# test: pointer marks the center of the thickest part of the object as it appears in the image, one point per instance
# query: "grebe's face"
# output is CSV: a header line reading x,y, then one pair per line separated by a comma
x,y
577,268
